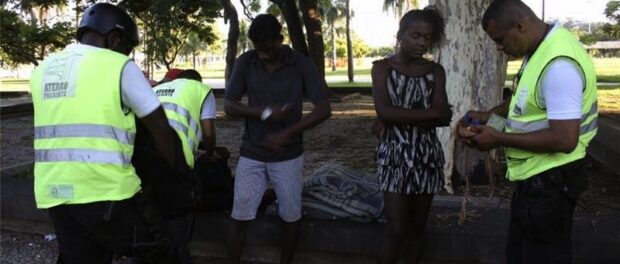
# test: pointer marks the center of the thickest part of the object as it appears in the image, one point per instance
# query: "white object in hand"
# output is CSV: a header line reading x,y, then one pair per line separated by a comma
x,y
266,113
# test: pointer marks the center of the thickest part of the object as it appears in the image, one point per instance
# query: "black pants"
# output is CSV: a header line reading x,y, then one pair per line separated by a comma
x,y
541,215
94,232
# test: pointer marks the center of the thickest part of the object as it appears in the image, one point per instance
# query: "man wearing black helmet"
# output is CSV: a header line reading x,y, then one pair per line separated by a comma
x,y
86,98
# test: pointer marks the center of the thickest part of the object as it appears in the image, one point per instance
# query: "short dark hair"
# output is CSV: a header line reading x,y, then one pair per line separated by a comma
x,y
429,15
506,13
190,74
264,27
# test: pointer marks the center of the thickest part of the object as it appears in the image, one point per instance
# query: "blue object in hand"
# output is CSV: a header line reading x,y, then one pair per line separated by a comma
x,y
470,121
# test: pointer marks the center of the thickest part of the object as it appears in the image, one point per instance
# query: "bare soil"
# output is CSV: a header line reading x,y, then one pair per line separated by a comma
x,y
343,139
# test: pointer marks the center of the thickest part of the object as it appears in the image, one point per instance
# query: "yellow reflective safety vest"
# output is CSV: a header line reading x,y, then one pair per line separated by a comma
x,y
527,115
83,138
182,100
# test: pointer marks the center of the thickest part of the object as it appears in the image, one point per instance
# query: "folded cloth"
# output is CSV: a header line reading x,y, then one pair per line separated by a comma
x,y
337,192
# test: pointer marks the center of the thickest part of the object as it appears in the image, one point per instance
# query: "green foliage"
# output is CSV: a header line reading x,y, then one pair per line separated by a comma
x,y
600,31
360,49
244,42
217,47
23,43
250,7
381,51
335,12
168,23
399,7
193,46
606,31
612,11
165,27
599,35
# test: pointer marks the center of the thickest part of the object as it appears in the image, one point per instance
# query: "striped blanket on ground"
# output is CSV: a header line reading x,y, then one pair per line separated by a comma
x,y
336,192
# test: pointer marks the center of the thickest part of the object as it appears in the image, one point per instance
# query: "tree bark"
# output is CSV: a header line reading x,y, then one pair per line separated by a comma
x,y
78,11
334,54
230,15
475,74
349,45
194,59
314,33
295,31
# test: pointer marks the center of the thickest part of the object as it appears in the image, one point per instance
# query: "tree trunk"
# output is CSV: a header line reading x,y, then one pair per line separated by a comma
x,y
295,31
230,14
475,73
349,45
334,54
314,32
43,24
33,17
194,59
78,10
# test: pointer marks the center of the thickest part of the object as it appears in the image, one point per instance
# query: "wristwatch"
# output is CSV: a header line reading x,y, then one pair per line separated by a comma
x,y
266,113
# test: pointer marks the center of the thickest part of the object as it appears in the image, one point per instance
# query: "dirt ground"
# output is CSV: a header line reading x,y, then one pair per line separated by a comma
x,y
346,139
343,139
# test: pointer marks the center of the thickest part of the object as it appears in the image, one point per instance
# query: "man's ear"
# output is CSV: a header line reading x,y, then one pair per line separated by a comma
x,y
520,26
280,39
113,39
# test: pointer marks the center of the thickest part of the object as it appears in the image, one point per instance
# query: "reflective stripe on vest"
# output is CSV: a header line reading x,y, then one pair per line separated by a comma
x,y
523,127
82,155
180,127
84,130
83,137
182,100
526,115
193,124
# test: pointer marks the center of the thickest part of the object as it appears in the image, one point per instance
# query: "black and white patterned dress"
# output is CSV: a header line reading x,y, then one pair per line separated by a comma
x,y
410,159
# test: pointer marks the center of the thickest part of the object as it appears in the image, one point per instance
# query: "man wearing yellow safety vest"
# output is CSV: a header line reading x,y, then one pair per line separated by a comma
x,y
86,99
548,124
190,107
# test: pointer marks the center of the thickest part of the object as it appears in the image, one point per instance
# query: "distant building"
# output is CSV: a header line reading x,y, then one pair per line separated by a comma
x,y
604,49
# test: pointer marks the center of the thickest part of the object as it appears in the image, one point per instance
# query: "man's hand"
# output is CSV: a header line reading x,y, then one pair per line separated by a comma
x,y
213,157
465,127
276,141
474,117
279,113
486,137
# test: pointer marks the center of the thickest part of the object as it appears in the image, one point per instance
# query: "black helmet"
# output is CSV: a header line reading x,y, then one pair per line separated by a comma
x,y
104,17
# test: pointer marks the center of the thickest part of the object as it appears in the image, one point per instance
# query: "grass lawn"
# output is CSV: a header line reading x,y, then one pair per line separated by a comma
x,y
349,85
609,99
218,72
14,85
607,69
343,71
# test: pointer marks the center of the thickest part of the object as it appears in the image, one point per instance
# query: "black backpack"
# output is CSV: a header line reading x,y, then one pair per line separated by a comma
x,y
217,184
175,192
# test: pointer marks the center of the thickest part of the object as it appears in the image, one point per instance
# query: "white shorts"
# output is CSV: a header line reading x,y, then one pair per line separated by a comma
x,y
251,181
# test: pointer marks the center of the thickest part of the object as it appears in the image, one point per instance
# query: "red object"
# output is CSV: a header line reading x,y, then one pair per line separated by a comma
x,y
173,74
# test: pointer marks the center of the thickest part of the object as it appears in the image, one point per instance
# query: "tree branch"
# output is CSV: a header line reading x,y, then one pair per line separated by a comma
x,y
246,10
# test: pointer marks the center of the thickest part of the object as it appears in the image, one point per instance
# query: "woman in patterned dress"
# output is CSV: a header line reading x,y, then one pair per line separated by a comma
x,y
410,100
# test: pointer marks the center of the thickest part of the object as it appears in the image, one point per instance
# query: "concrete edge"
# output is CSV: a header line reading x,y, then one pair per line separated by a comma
x,y
19,168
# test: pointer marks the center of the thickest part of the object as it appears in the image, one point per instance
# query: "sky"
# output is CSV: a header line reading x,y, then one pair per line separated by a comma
x,y
378,28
